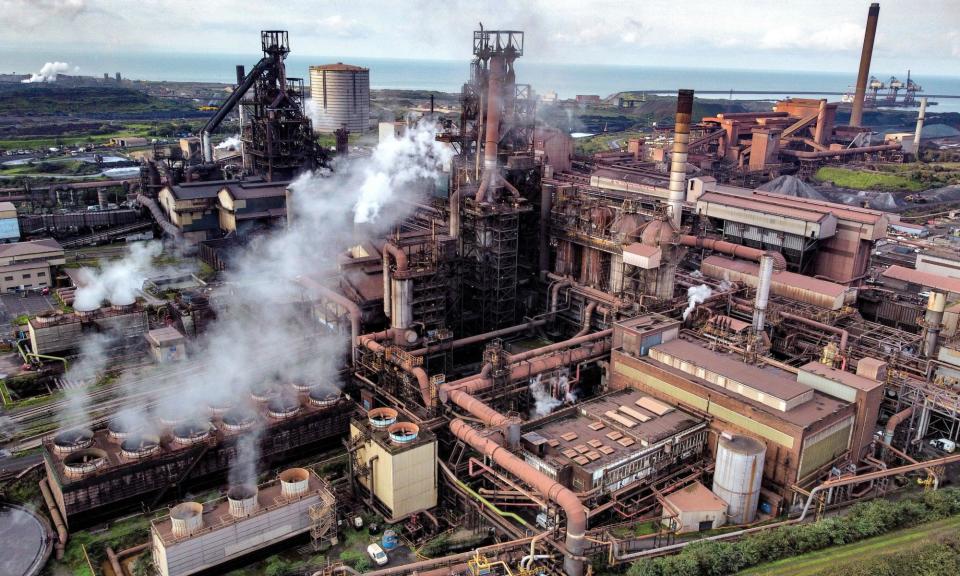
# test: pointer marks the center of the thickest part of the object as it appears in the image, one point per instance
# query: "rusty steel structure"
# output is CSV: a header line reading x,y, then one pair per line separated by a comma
x,y
575,336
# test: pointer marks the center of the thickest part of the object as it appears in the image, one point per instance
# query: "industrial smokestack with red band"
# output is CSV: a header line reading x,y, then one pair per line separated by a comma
x,y
856,115
678,158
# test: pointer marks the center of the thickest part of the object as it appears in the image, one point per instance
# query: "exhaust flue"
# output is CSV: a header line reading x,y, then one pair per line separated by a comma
x,y
916,136
678,159
856,115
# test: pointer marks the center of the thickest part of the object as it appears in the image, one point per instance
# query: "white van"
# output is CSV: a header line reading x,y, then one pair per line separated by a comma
x,y
377,554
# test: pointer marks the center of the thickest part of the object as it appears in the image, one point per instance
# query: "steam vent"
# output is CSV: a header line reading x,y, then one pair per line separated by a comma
x,y
697,310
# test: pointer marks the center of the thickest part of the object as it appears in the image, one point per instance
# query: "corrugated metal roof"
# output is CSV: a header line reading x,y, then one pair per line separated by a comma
x,y
923,278
824,287
769,380
30,247
841,211
841,376
764,206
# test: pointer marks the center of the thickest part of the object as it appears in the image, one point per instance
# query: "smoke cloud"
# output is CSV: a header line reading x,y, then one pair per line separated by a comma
x,y
267,333
550,393
118,281
81,376
48,73
696,295
231,143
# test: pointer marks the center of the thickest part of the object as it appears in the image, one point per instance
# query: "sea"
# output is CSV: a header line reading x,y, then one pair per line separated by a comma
x,y
567,80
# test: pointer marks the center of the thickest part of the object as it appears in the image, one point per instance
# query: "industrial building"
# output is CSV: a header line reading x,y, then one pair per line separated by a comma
x,y
29,265
340,94
54,333
195,537
550,347
97,473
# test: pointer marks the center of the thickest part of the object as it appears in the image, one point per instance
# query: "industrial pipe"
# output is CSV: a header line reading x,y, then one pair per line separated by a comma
x,y
455,344
455,214
807,155
543,351
587,317
856,114
555,292
844,335
893,422
916,135
62,532
339,299
546,206
678,157
735,250
495,77
574,510
373,341
763,291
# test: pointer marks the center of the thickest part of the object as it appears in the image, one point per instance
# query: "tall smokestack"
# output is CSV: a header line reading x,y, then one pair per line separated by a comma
x,y
678,159
498,70
856,115
936,304
763,291
916,135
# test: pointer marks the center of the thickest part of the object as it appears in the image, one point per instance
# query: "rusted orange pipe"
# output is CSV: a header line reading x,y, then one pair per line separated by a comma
x,y
373,341
573,509
735,250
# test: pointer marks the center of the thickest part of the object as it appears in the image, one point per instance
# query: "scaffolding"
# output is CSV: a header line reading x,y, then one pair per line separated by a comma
x,y
323,520
489,279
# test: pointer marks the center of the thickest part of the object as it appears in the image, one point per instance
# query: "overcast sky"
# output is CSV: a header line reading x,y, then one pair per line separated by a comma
x,y
763,34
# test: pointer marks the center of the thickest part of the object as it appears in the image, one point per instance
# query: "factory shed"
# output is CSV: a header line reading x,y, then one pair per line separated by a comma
x,y
245,204
822,293
26,265
901,278
693,508
613,441
167,344
192,207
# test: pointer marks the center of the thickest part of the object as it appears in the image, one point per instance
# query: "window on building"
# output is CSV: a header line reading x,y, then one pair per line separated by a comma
x,y
8,278
25,276
41,274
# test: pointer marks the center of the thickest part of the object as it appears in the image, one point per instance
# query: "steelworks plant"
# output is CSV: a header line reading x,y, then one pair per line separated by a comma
x,y
549,347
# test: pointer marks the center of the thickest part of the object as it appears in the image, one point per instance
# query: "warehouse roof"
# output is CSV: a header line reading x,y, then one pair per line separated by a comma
x,y
29,247
764,206
197,190
841,211
842,376
694,498
769,380
923,278
247,190
608,429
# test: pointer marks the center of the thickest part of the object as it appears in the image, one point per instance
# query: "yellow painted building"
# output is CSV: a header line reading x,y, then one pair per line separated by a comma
x,y
403,476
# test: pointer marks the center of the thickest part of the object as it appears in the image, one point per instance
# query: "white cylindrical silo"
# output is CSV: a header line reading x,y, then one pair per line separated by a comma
x,y
737,475
340,94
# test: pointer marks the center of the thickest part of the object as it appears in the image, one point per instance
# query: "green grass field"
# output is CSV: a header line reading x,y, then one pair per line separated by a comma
x,y
810,564
862,180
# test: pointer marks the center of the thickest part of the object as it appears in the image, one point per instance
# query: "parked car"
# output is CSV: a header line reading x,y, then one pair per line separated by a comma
x,y
377,554
944,444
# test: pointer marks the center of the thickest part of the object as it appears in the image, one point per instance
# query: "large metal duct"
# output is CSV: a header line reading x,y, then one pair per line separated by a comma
x,y
678,158
763,291
856,114
916,135
574,510
936,304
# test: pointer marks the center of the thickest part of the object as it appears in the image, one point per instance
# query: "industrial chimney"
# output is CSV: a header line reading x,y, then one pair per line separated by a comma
x,y
916,136
933,320
678,159
763,291
856,115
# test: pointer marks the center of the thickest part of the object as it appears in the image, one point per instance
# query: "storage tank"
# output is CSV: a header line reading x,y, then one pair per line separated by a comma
x,y
737,474
340,94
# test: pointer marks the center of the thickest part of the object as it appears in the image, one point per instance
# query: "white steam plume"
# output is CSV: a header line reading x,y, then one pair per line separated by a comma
x,y
696,295
266,330
231,143
48,73
550,393
117,281
81,375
